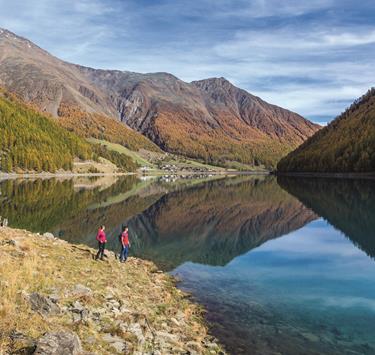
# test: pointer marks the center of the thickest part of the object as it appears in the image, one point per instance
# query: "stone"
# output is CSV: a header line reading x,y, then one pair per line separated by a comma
x,y
311,337
193,345
175,321
42,304
124,309
48,235
90,340
119,346
81,290
22,344
77,307
79,313
58,343
115,303
136,329
168,336
115,341
76,317
54,297
115,311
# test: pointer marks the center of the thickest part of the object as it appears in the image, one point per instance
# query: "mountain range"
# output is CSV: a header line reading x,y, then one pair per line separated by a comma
x,y
210,120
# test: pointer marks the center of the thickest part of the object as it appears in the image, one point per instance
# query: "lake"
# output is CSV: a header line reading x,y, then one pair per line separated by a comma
x,y
282,265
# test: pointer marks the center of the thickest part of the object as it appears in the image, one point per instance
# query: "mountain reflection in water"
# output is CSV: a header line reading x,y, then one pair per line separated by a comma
x,y
267,257
208,222
347,204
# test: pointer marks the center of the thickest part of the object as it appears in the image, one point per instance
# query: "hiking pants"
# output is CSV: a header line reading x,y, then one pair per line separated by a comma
x,y
100,253
124,253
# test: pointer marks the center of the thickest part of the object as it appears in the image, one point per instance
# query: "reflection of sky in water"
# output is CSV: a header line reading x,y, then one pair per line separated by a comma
x,y
312,274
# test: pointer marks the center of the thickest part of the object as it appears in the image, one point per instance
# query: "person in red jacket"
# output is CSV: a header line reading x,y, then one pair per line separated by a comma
x,y
102,239
124,244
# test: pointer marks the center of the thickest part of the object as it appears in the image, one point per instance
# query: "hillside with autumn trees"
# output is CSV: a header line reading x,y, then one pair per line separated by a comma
x,y
346,145
31,141
94,125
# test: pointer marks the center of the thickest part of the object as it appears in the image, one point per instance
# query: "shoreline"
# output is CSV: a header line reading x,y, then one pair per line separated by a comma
x,y
52,291
328,175
8,176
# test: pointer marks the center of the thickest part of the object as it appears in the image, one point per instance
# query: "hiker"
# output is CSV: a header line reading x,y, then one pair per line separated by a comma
x,y
125,245
101,238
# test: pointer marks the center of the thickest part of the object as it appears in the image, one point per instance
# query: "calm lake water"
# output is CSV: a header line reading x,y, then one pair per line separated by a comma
x,y
283,266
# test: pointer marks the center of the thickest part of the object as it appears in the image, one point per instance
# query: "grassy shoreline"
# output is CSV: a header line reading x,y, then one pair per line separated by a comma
x,y
108,307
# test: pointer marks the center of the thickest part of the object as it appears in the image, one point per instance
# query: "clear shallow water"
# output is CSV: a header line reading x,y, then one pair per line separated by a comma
x,y
307,292
283,267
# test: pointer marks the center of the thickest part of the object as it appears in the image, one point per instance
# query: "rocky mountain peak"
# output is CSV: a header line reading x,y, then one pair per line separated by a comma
x,y
208,119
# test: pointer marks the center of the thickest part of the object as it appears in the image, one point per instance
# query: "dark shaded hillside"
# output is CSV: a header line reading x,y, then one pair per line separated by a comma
x,y
349,205
30,141
345,145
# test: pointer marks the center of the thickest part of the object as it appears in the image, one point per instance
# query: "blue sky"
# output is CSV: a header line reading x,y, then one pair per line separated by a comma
x,y
313,57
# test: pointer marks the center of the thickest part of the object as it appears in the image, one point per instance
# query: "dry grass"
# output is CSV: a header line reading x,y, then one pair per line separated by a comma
x,y
38,264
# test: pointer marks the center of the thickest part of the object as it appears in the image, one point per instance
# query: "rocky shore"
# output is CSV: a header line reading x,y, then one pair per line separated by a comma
x,y
56,299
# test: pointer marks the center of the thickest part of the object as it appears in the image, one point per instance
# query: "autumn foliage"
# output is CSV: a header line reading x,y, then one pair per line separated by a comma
x,y
31,141
233,142
345,145
98,126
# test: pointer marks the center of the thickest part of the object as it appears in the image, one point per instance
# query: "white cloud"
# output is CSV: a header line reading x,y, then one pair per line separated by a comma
x,y
290,40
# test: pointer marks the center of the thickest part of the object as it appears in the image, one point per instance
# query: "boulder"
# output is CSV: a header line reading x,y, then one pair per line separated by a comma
x,y
43,304
116,342
59,343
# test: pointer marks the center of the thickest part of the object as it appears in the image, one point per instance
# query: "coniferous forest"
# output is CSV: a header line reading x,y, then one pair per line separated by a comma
x,y
31,141
346,145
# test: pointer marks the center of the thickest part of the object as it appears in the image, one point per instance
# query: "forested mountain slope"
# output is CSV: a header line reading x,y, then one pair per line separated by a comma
x,y
346,145
30,141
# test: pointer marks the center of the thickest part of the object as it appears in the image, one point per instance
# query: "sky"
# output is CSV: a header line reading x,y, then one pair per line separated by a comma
x,y
313,57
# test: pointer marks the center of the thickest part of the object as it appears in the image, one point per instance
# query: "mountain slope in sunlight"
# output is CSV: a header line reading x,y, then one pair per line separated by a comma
x,y
346,145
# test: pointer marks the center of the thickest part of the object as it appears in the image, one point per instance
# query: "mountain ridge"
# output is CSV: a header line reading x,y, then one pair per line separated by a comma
x,y
209,120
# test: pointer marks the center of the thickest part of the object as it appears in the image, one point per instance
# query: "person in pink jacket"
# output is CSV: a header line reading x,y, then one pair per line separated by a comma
x,y
102,239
